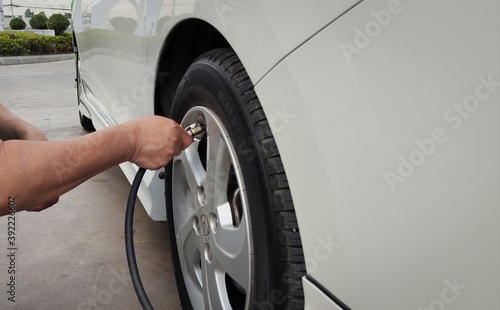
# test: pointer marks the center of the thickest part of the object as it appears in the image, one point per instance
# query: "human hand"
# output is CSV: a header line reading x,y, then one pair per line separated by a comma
x,y
15,128
43,206
33,134
156,140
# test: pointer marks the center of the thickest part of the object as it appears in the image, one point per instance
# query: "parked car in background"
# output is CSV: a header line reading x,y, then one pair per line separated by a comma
x,y
351,158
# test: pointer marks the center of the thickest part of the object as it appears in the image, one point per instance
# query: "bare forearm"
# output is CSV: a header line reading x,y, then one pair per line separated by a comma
x,y
36,172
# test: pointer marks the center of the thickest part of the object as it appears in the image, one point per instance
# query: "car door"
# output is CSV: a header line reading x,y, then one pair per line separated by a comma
x,y
114,68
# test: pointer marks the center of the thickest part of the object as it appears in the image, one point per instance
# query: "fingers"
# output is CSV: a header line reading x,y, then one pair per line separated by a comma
x,y
35,135
184,138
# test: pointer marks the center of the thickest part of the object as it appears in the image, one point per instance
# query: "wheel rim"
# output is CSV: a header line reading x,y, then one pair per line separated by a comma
x,y
210,213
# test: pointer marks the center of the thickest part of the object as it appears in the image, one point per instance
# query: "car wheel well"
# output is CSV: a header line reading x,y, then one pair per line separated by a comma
x,y
186,42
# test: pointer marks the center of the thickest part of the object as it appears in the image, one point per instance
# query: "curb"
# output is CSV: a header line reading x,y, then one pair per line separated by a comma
x,y
20,60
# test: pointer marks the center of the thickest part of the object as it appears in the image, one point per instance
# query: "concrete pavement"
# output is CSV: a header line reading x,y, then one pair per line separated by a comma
x,y
72,256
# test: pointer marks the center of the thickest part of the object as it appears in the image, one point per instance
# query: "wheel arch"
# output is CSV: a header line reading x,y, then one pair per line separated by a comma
x,y
187,41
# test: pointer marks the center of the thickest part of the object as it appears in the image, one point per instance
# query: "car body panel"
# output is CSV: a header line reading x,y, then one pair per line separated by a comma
x,y
386,118
253,25
403,180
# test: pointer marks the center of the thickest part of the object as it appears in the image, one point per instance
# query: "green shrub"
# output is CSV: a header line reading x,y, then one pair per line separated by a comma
x,y
22,44
58,22
39,21
17,24
64,44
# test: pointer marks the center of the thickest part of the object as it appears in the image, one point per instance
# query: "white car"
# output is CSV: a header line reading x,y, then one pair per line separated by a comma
x,y
351,158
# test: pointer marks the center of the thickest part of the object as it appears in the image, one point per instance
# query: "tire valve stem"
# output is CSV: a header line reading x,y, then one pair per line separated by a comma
x,y
195,129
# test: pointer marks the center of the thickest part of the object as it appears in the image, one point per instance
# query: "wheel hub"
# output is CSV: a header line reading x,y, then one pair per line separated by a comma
x,y
204,225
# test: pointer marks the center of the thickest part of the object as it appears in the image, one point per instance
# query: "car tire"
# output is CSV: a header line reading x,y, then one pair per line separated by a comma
x,y
229,178
84,121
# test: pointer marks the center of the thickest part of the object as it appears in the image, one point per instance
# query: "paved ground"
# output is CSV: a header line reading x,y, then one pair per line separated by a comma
x,y
72,256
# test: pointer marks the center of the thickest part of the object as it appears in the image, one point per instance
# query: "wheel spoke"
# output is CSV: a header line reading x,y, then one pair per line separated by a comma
x,y
218,167
214,291
230,250
188,247
194,173
188,241
186,207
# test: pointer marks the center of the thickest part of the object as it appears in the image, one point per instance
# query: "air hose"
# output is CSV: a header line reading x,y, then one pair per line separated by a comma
x,y
193,130
129,242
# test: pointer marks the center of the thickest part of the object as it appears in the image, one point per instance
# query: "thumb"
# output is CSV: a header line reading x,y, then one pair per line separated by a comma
x,y
185,138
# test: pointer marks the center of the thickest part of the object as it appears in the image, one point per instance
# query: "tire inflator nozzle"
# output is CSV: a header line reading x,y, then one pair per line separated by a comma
x,y
195,129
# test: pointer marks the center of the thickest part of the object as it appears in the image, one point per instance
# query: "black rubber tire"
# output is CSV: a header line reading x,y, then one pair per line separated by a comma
x,y
279,259
84,121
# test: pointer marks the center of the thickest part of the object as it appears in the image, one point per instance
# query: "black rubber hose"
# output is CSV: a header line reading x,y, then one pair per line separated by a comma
x,y
129,242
